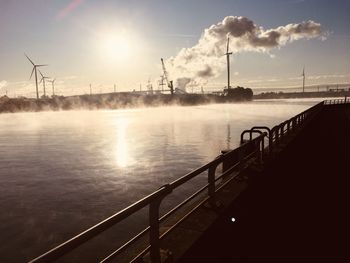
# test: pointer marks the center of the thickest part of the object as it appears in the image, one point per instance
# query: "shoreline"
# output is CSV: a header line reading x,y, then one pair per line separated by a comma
x,y
111,101
127,100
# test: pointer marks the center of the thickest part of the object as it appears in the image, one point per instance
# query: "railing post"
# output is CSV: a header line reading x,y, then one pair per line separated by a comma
x,y
154,231
211,183
262,145
154,225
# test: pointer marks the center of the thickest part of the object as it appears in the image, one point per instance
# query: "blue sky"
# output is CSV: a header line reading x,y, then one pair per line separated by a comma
x,y
121,42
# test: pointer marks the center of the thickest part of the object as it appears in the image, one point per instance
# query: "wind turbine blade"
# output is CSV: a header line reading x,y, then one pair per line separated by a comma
x,y
42,65
40,80
41,74
32,72
29,59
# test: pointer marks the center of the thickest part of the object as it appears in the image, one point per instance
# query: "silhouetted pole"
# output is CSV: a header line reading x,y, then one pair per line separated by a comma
x,y
228,62
53,87
36,84
171,88
303,79
90,90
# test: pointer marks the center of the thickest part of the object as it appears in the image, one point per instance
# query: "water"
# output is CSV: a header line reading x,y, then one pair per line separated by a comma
x,y
61,172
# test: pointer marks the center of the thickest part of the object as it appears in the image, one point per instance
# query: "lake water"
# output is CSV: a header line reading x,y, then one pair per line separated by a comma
x,y
61,172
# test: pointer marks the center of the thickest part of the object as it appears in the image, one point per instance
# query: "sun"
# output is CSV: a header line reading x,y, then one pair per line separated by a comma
x,y
115,46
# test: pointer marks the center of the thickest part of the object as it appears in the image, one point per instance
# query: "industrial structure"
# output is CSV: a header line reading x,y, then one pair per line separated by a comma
x,y
165,75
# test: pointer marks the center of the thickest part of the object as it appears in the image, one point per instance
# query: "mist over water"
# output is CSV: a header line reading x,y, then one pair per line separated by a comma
x,y
61,172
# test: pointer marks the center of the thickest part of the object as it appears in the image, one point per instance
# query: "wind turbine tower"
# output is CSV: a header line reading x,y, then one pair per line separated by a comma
x,y
43,80
303,79
228,62
36,76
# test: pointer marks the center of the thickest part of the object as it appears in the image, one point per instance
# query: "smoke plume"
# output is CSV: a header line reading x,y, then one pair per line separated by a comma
x,y
205,59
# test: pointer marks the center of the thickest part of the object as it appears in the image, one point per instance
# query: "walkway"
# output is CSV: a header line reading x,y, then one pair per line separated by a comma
x,y
297,209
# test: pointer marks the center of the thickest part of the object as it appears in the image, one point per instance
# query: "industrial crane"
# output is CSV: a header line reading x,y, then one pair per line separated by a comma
x,y
169,83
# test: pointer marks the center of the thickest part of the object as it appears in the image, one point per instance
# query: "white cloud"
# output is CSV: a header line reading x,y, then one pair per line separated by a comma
x,y
205,60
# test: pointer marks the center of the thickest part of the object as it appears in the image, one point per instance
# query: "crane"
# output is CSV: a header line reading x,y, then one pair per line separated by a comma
x,y
169,83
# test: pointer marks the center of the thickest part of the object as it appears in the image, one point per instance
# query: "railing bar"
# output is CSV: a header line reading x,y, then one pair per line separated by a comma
x,y
93,231
203,168
116,252
232,168
142,253
184,217
194,173
183,203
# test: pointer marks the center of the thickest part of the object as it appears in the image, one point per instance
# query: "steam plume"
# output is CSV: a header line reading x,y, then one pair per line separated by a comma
x,y
204,60
3,84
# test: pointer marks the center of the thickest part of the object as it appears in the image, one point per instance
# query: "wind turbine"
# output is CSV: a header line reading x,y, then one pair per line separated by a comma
x,y
43,80
53,86
228,62
36,76
303,78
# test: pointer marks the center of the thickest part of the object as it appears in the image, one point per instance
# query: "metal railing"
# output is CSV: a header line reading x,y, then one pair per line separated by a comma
x,y
280,132
234,160
337,101
237,158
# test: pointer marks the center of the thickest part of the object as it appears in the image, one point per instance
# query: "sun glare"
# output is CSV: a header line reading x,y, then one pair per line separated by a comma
x,y
115,47
122,154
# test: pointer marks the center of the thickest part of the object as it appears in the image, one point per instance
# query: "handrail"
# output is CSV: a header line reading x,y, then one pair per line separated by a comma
x,y
253,148
88,234
153,201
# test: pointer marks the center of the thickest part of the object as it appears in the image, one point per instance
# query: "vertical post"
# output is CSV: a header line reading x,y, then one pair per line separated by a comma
x,y
270,142
211,187
154,231
44,87
36,84
261,148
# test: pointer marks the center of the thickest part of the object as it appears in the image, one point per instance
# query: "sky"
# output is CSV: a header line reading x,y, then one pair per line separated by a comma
x,y
103,43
